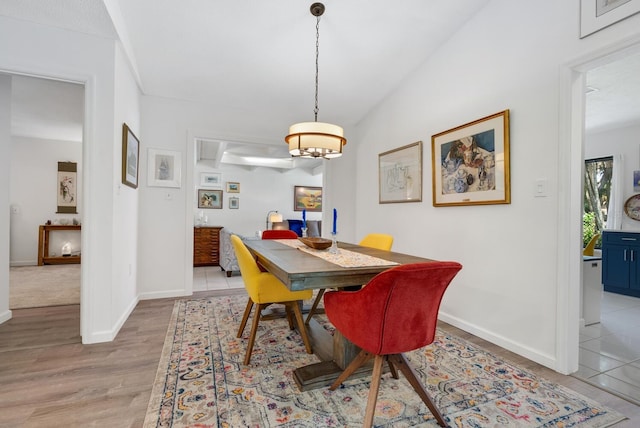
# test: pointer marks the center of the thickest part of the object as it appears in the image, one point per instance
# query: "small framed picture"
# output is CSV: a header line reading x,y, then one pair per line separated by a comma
x,y
400,174
598,14
307,198
234,203
130,155
211,179
164,168
209,199
233,187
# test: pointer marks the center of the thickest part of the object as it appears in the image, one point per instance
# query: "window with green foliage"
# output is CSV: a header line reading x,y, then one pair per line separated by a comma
x,y
597,188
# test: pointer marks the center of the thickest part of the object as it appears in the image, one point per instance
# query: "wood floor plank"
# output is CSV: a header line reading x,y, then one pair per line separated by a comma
x,y
50,379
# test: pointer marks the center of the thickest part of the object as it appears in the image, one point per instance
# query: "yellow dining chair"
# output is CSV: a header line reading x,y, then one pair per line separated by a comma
x,y
265,289
588,250
380,241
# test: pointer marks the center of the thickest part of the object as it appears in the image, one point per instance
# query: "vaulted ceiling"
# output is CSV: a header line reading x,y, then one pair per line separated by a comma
x,y
256,56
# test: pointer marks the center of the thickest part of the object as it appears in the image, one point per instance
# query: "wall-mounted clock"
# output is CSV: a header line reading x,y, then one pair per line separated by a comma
x,y
632,207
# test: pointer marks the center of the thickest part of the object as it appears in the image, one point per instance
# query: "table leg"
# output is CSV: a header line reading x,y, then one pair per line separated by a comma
x,y
336,353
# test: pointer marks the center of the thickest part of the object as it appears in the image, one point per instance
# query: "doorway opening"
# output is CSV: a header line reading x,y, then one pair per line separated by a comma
x,y
608,356
47,121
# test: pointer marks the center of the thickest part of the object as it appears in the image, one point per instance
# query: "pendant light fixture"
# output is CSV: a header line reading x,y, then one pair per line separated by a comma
x,y
316,139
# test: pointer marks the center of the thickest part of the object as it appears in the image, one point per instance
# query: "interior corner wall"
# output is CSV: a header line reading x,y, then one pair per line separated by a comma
x,y
5,157
507,291
125,199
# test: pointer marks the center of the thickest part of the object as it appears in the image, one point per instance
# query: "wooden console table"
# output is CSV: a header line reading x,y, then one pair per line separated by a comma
x,y
43,245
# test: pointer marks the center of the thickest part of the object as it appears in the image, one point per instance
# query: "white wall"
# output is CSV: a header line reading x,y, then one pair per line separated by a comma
x,y
261,190
623,141
46,51
167,214
509,56
5,162
33,195
125,199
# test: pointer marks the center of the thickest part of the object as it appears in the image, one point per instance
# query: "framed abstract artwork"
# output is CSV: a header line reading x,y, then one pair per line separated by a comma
x,y
470,163
234,203
400,174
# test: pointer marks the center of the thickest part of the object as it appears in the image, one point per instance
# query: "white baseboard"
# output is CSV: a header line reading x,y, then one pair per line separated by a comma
x,y
23,263
518,348
110,335
6,316
163,294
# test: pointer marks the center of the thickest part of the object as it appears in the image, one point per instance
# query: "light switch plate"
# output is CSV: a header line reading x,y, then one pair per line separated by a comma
x,y
540,188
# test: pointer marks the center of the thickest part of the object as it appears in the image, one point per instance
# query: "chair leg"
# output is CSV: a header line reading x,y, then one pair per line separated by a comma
x,y
359,360
303,331
245,317
401,362
287,309
373,391
315,305
252,335
393,370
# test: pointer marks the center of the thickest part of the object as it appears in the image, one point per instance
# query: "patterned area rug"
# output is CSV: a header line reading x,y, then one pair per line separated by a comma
x,y
201,382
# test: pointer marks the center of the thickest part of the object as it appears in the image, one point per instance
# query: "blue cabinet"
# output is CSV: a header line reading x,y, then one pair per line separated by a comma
x,y
621,262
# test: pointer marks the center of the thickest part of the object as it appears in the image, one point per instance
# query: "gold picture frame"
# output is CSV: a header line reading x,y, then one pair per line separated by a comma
x,y
470,163
130,157
233,187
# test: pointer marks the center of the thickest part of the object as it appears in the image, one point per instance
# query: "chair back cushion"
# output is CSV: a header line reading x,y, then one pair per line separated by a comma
x,y
248,267
296,226
379,241
398,309
279,234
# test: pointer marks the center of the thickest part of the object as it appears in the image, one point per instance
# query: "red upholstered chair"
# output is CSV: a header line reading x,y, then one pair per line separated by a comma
x,y
396,312
279,234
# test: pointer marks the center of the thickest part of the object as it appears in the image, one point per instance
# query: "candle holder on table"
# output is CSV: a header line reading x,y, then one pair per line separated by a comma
x,y
334,244
304,232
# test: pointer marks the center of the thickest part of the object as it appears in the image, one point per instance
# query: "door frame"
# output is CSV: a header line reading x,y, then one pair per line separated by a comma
x,y
570,200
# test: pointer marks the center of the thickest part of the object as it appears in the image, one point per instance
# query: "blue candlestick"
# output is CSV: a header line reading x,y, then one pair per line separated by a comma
x,y
335,220
304,218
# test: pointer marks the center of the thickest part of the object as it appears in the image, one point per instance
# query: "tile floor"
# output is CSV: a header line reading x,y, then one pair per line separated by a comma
x,y
209,278
610,350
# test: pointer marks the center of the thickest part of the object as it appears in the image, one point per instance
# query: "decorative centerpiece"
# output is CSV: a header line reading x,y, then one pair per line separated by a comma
x,y
316,243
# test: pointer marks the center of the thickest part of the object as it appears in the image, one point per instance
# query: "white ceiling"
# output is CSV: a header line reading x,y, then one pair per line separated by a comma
x,y
257,56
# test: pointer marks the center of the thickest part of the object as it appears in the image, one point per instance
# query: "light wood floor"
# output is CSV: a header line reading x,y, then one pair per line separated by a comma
x,y
49,379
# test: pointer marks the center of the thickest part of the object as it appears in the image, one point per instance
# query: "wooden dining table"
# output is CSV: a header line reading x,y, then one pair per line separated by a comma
x,y
300,270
